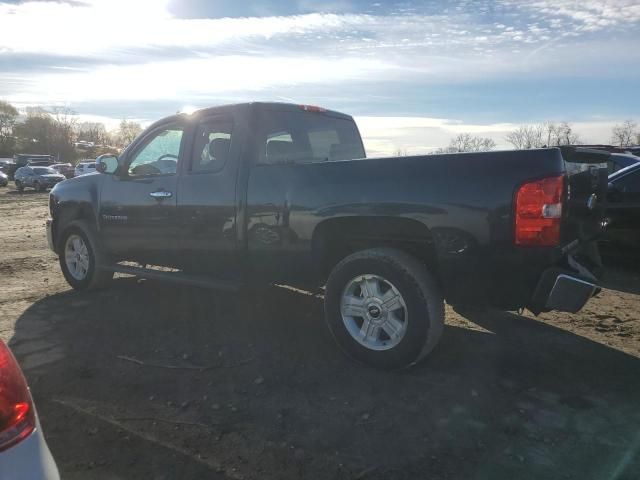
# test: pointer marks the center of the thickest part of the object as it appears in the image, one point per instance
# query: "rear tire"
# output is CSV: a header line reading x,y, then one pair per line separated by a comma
x,y
384,308
38,187
80,254
19,186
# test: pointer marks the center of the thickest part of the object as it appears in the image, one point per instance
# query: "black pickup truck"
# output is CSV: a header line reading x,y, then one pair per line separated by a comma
x,y
276,193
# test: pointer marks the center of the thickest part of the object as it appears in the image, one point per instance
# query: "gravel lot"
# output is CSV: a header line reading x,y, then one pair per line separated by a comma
x,y
147,380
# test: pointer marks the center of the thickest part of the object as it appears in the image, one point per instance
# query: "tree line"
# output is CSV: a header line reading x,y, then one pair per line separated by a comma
x,y
58,132
546,134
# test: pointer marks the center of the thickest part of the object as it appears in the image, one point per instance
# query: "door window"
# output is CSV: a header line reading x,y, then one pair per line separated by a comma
x,y
211,146
159,155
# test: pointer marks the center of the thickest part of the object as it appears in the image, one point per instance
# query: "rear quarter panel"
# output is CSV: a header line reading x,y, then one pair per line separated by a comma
x,y
464,200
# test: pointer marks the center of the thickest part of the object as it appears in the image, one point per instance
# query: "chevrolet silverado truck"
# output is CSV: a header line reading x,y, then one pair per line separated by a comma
x,y
265,193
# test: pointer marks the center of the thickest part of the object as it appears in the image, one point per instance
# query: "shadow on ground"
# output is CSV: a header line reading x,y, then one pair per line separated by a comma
x,y
623,274
260,391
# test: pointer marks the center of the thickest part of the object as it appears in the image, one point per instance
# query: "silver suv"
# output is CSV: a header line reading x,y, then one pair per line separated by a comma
x,y
39,178
83,168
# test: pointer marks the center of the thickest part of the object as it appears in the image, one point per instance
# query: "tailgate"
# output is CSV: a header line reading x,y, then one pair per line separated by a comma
x,y
586,195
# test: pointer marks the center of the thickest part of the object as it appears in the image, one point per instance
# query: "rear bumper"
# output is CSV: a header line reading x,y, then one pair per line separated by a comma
x,y
29,460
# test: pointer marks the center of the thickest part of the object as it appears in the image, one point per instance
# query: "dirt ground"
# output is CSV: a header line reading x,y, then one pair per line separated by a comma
x,y
147,380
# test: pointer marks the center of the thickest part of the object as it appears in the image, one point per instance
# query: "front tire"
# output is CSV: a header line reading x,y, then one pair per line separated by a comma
x,y
384,308
19,186
80,254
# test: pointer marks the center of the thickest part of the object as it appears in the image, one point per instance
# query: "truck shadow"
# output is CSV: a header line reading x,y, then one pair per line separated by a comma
x,y
502,397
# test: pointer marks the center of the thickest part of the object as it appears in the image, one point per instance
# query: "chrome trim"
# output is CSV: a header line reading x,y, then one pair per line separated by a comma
x,y
161,194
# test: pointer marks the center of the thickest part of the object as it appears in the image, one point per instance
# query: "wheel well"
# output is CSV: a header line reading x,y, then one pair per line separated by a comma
x,y
337,238
68,214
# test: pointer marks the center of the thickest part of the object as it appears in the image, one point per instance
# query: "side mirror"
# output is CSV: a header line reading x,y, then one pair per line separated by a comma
x,y
107,164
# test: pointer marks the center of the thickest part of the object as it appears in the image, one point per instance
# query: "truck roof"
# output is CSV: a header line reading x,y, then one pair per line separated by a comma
x,y
273,106
282,106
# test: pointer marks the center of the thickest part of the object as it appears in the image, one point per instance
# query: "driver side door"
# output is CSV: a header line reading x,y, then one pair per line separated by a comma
x,y
138,206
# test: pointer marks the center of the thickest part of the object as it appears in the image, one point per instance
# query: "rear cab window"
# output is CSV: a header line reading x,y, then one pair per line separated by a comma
x,y
292,137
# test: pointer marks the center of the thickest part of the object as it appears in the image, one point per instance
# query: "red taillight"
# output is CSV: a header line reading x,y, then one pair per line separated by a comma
x,y
17,418
538,212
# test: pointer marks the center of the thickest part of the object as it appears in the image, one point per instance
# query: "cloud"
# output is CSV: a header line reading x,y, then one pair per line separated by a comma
x,y
193,79
589,15
112,54
127,26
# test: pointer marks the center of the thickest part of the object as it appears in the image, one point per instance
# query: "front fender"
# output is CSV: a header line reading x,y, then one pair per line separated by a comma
x,y
74,199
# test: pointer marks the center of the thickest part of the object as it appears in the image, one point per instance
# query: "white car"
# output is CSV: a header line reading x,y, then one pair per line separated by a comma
x,y
85,167
24,454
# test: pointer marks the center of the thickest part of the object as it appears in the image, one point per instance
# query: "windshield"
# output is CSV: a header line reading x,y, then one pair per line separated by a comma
x,y
43,170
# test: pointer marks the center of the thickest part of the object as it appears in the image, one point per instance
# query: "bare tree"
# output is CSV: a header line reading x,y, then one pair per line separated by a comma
x,y
127,132
623,134
8,117
33,135
47,132
529,136
564,135
545,134
465,142
63,133
94,132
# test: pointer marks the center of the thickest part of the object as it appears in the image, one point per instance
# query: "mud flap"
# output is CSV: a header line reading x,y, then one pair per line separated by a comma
x,y
564,289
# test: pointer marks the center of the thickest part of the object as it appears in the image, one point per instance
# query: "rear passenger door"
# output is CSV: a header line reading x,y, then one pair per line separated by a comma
x,y
289,142
207,200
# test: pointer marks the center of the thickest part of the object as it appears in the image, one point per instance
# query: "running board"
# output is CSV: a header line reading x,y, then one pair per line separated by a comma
x,y
175,277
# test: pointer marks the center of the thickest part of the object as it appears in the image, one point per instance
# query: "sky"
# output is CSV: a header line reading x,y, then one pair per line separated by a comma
x,y
412,73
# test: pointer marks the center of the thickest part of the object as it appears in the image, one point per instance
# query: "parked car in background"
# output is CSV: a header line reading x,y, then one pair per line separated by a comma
x,y
634,150
623,211
83,168
4,179
24,454
39,178
65,169
40,163
23,159
618,161
84,145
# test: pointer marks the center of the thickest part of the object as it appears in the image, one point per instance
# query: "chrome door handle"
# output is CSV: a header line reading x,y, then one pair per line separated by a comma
x,y
161,194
